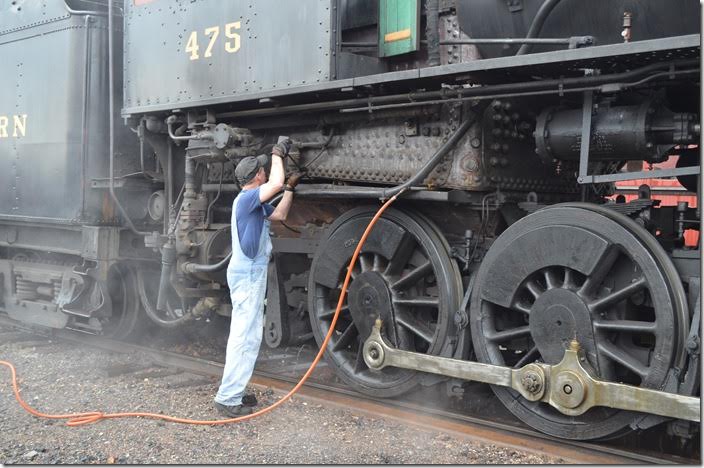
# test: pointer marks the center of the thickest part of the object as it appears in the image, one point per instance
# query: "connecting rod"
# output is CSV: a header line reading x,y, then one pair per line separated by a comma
x,y
569,386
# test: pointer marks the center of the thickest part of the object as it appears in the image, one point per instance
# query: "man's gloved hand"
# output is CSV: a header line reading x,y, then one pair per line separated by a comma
x,y
292,181
282,148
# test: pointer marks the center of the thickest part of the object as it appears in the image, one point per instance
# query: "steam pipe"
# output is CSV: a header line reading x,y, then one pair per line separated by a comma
x,y
315,144
577,40
168,258
169,125
86,12
201,268
169,185
190,178
111,100
537,24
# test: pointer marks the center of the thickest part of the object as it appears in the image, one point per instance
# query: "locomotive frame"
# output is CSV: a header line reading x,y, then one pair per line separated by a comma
x,y
488,149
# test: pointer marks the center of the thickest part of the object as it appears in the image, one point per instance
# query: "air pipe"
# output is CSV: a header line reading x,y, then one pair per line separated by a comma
x,y
537,24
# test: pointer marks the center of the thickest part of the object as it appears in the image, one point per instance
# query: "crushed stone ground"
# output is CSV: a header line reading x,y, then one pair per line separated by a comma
x,y
63,377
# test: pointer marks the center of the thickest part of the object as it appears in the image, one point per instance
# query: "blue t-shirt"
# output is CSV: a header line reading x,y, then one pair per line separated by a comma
x,y
250,216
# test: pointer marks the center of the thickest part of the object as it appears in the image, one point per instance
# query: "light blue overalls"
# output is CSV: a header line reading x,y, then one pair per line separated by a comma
x,y
246,278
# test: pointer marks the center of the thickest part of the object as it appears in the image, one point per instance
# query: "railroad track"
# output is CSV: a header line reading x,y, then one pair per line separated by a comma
x,y
407,412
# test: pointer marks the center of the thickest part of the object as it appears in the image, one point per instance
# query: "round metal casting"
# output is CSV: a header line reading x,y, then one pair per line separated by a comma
x,y
404,276
571,272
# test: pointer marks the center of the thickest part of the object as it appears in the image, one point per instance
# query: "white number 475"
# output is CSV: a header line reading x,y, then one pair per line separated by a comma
x,y
232,44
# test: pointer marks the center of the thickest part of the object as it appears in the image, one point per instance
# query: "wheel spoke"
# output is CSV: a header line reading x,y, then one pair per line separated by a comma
x,y
619,295
569,279
530,356
520,307
413,277
404,252
346,338
603,267
359,364
633,326
420,301
622,357
378,260
415,326
364,263
551,280
328,313
505,335
534,289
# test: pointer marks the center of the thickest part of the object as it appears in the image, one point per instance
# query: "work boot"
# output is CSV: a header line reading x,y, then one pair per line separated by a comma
x,y
232,411
249,400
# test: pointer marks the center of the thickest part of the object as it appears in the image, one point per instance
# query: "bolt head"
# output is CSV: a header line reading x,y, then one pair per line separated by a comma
x,y
532,382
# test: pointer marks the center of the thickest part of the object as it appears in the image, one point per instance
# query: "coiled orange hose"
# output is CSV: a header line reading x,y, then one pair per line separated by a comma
x,y
79,419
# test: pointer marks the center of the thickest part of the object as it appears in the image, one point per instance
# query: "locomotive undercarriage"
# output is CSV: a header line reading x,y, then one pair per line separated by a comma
x,y
628,307
65,291
436,269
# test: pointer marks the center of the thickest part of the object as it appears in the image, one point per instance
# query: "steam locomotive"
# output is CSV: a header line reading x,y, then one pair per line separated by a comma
x,y
504,124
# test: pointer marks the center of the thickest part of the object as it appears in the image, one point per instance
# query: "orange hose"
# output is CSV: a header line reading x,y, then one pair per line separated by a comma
x,y
78,419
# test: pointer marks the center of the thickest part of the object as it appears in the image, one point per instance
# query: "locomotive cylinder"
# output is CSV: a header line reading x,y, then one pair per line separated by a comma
x,y
617,133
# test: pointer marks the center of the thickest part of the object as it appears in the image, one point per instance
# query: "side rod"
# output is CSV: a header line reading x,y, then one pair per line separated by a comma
x,y
569,386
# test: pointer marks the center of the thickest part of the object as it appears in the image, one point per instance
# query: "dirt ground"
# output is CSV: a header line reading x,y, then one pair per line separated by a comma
x,y
60,378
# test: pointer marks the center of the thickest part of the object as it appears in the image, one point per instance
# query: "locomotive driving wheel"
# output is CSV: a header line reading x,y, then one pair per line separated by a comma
x,y
579,271
124,303
404,275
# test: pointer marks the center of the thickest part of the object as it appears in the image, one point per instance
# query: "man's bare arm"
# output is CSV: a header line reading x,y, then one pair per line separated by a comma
x,y
281,211
268,190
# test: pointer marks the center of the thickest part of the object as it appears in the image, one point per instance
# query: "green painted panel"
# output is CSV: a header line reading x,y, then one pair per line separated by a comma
x,y
398,27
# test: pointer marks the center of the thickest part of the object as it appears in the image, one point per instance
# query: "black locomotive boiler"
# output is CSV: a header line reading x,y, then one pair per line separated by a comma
x,y
505,123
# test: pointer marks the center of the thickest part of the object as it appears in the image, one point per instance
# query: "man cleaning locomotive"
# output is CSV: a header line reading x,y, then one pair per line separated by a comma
x,y
247,270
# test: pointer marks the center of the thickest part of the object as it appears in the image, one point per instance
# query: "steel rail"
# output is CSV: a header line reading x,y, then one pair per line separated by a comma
x,y
584,451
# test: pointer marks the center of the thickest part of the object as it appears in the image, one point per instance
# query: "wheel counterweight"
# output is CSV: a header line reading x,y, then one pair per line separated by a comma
x,y
569,272
404,275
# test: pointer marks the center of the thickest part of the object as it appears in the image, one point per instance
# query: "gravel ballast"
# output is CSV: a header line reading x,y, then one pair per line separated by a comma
x,y
62,377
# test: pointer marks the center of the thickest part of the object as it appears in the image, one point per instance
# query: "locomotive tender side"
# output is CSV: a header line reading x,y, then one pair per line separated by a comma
x,y
488,111
53,122
60,237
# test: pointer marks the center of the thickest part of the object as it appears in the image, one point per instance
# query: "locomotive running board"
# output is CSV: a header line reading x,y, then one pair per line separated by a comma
x,y
568,386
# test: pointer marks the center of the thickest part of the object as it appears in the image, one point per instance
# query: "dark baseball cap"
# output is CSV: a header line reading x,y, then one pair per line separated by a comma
x,y
248,168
